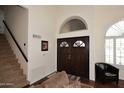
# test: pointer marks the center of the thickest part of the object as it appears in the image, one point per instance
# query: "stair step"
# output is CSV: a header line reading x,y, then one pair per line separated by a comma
x,y
6,52
7,56
1,35
8,46
21,83
9,67
11,73
15,79
9,59
12,77
5,47
14,62
4,44
3,39
1,80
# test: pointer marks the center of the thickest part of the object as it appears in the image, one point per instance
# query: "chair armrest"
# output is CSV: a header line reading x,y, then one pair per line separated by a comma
x,y
112,69
99,70
99,73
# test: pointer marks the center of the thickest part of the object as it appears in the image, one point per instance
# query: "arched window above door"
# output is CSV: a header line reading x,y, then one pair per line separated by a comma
x,y
73,24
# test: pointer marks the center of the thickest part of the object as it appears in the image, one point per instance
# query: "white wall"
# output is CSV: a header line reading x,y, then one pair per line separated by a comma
x,y
42,21
17,20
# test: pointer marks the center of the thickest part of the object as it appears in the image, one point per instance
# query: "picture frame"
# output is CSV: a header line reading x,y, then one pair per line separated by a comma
x,y
44,45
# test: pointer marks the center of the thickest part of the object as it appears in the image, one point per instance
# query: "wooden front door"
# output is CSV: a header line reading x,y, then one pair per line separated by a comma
x,y
73,56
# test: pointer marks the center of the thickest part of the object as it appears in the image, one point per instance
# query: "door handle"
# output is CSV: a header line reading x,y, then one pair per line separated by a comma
x,y
69,56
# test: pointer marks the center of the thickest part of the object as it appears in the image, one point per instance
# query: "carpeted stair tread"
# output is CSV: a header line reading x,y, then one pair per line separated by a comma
x,y
2,35
2,38
5,47
4,42
11,73
6,51
8,67
9,62
21,83
7,56
7,59
15,79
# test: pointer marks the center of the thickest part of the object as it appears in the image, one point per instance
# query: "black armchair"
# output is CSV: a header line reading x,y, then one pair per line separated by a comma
x,y
105,72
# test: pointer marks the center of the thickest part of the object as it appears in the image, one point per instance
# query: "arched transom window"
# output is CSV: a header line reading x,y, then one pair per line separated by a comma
x,y
114,44
73,24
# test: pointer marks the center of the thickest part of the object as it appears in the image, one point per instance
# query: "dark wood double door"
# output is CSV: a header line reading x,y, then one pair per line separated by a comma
x,y
73,56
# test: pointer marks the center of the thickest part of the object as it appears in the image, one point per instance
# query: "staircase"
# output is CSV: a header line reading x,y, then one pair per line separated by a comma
x,y
11,75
